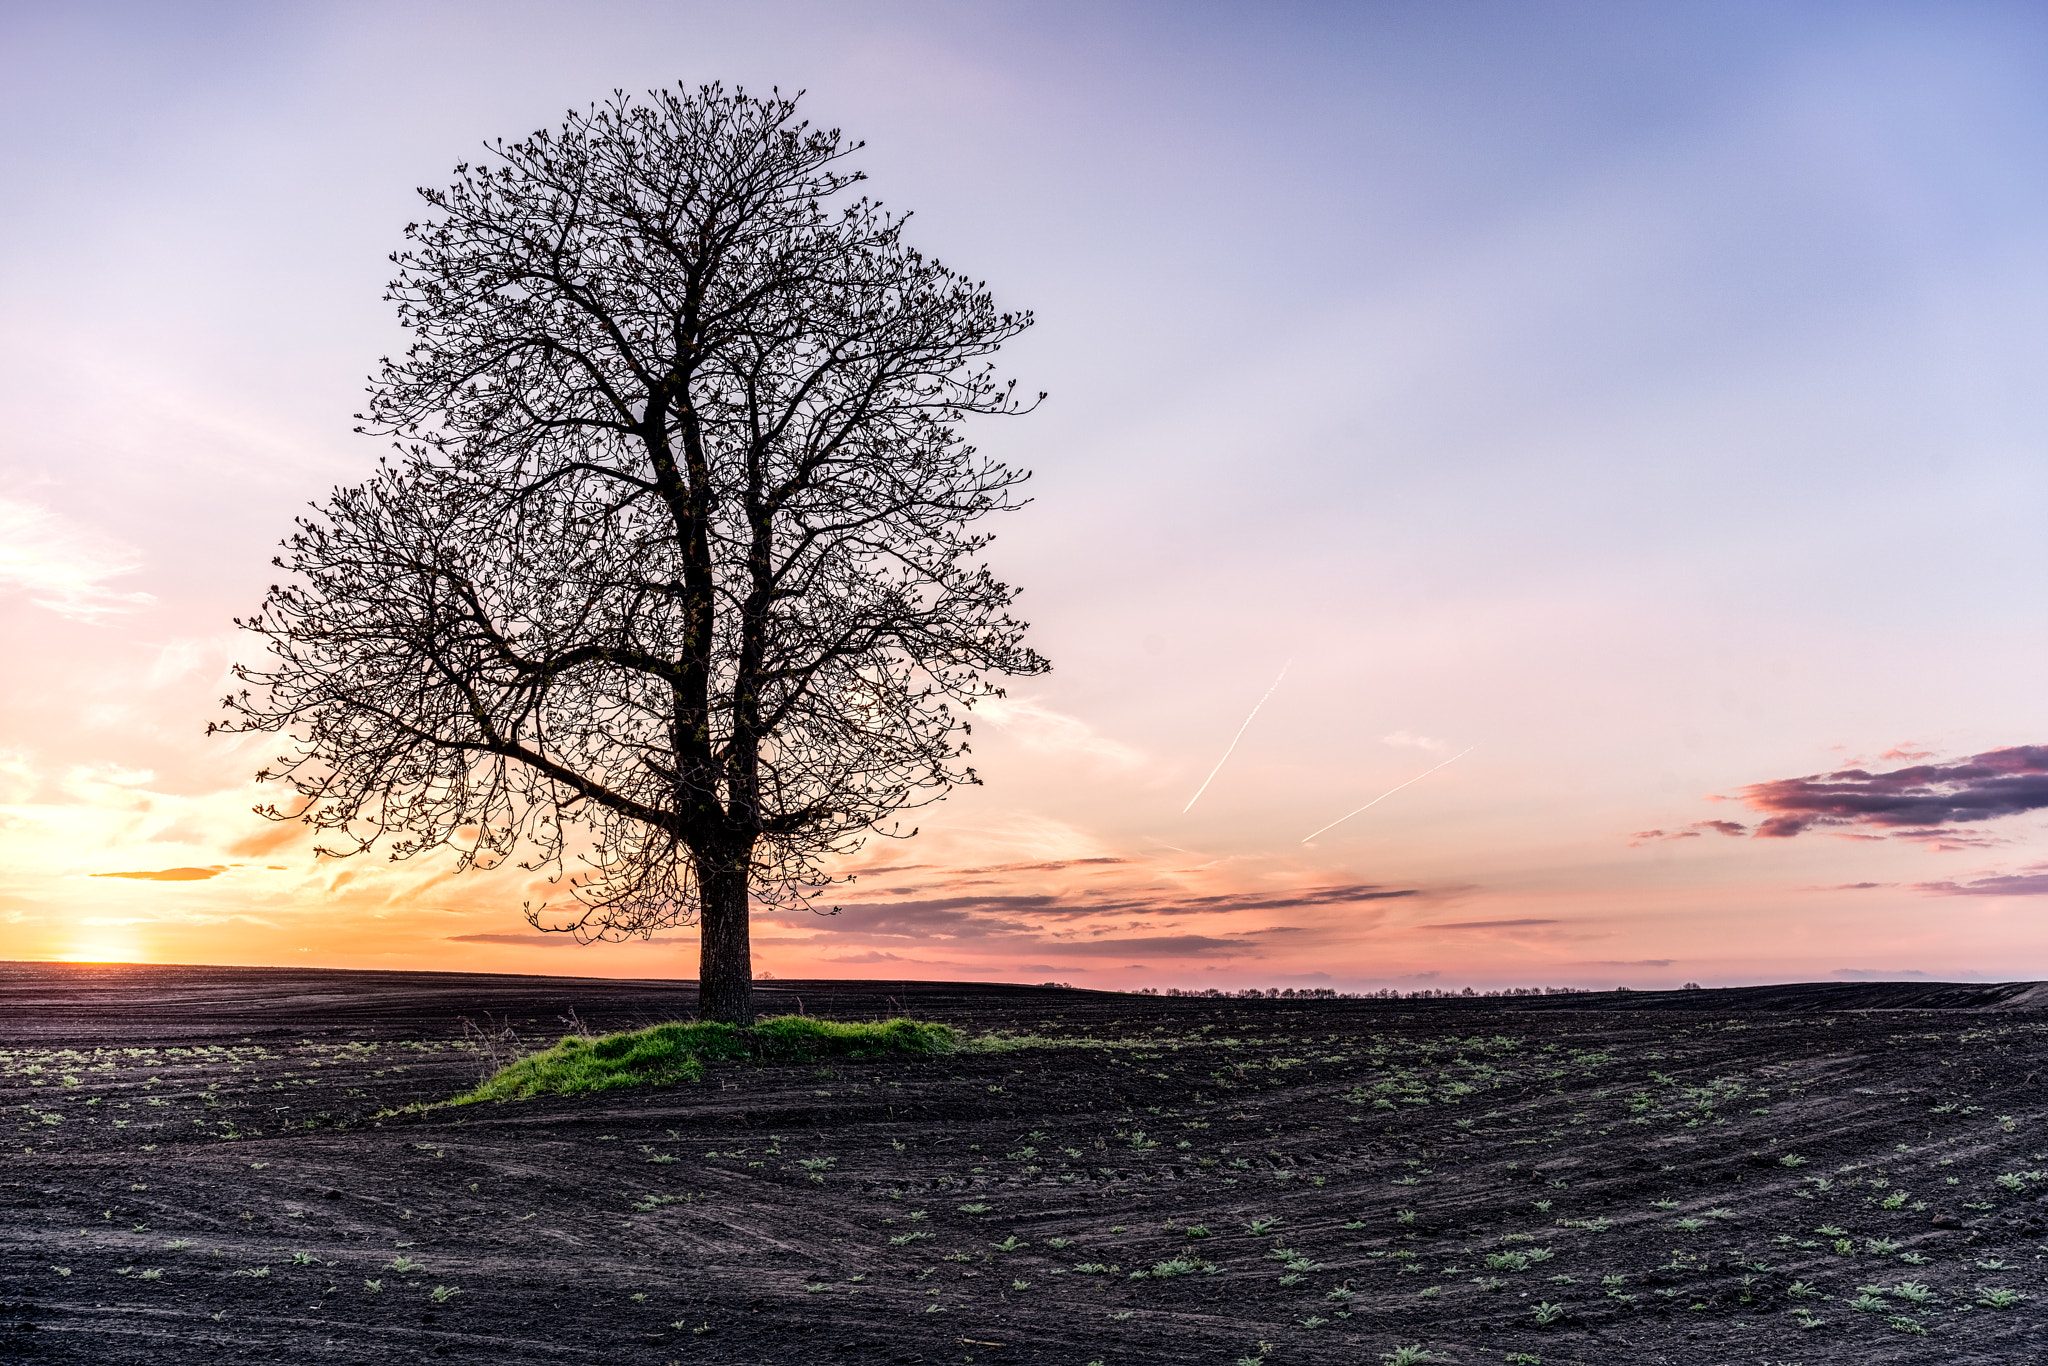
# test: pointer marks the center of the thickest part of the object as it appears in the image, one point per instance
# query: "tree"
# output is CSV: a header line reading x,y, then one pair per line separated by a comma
x,y
670,587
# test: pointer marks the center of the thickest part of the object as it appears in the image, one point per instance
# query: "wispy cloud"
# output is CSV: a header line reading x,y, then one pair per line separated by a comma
x,y
523,941
1481,924
1690,832
545,941
1040,728
1411,741
174,874
2031,881
62,566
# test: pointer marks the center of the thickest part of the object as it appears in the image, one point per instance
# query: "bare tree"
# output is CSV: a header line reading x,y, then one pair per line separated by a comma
x,y
670,589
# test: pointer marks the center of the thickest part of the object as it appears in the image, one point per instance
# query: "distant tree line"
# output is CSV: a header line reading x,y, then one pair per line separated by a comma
x,y
1384,994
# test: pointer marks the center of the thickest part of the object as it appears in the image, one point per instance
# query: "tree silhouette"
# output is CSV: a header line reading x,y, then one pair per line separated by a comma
x,y
670,588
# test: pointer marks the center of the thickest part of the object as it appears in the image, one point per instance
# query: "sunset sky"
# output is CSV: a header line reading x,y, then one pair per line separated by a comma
x,y
1643,406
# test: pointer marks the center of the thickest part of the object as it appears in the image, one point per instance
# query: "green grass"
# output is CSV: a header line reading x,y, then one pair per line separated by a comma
x,y
670,1053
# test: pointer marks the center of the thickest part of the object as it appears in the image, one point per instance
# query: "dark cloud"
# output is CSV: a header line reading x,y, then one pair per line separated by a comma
x,y
1914,802
1734,828
174,874
1480,924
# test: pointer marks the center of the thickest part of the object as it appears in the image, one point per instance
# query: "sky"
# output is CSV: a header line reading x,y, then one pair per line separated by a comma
x,y
1623,425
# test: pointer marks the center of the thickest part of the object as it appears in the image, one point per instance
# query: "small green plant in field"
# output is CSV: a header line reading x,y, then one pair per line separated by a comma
x,y
178,1244
373,1287
1896,1200
403,1265
975,1208
1791,1160
1059,1242
1882,1247
1663,1204
1901,1324
255,1271
647,1204
1991,1264
1869,1300
1261,1226
1177,1266
1411,1355
1913,1292
1992,1298
302,1259
1404,1216
1689,1225
1009,1244
441,1294
1524,1359
669,1053
1546,1313
1804,1319
1802,1290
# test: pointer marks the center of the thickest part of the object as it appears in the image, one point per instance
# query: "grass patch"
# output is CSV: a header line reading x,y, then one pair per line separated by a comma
x,y
669,1053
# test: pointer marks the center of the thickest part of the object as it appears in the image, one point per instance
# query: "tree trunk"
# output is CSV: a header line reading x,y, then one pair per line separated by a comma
x,y
725,977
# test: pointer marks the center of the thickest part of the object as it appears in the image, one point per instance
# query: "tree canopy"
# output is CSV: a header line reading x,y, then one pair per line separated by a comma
x,y
670,586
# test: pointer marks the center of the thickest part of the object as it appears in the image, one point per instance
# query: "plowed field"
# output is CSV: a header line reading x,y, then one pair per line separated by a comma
x,y
198,1171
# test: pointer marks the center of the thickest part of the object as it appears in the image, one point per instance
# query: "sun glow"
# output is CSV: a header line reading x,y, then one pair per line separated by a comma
x,y
103,951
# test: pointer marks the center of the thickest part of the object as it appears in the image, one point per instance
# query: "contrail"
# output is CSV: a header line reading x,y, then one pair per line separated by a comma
x,y
1389,792
1233,741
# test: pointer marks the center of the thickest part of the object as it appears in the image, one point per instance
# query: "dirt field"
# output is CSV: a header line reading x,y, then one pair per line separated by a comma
x,y
1843,1174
